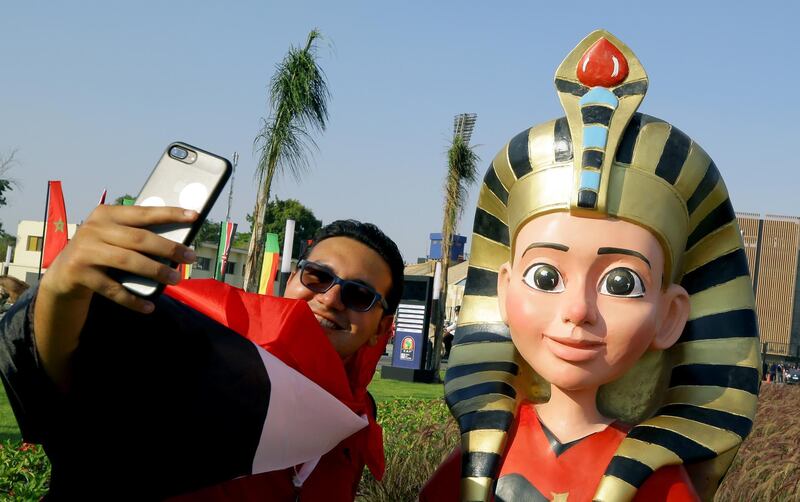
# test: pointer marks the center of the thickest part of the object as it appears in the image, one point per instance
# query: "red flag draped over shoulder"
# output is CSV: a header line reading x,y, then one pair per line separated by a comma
x,y
55,233
288,330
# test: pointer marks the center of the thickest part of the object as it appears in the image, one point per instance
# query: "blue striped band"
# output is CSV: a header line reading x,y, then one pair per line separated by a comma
x,y
595,137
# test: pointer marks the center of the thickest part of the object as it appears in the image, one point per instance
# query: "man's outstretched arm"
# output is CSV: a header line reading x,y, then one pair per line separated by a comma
x,y
112,237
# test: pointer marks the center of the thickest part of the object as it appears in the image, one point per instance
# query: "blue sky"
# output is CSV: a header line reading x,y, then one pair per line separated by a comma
x,y
91,93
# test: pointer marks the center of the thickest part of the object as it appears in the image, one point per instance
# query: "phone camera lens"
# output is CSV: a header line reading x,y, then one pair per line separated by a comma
x,y
179,153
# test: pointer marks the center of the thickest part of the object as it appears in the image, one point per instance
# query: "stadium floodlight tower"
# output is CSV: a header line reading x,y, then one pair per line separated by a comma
x,y
463,125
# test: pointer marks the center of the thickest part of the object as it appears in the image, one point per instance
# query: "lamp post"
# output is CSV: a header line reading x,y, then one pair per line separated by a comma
x,y
463,125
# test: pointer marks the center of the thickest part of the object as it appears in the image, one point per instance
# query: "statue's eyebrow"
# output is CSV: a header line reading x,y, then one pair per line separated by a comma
x,y
550,245
629,252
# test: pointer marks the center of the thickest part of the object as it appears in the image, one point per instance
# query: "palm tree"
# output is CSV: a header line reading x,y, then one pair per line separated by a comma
x,y
462,172
299,100
6,184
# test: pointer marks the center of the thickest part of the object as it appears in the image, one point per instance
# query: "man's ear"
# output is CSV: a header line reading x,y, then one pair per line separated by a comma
x,y
503,279
674,314
384,327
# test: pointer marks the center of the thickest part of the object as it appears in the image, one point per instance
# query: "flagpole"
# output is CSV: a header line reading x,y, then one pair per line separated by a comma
x,y
224,231
230,193
44,229
220,251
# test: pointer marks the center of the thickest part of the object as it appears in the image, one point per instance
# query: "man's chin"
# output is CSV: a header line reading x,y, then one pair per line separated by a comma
x,y
337,337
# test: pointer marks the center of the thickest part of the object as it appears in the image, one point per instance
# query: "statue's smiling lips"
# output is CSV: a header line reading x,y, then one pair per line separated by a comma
x,y
573,349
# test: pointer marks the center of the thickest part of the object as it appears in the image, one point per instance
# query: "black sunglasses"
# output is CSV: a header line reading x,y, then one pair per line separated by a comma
x,y
355,295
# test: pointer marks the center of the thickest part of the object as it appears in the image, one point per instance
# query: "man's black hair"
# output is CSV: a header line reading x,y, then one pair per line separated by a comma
x,y
372,237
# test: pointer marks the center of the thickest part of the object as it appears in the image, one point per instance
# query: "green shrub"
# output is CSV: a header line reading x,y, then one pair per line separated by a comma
x,y
417,436
24,471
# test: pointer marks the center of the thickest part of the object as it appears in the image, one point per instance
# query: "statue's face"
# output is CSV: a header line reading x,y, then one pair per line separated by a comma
x,y
583,298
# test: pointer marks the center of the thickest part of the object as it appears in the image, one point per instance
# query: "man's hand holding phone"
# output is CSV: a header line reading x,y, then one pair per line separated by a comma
x,y
123,252
113,237
116,237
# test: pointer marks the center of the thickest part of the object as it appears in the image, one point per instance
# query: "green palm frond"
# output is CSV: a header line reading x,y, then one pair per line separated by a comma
x,y
298,87
462,172
285,146
299,100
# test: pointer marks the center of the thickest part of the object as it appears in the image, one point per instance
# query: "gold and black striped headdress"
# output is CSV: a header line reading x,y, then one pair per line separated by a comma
x,y
694,403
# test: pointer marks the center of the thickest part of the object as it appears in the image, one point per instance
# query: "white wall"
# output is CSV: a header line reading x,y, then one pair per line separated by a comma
x,y
25,264
208,250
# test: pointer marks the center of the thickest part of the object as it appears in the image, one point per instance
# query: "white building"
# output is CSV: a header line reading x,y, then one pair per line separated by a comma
x,y
27,253
203,268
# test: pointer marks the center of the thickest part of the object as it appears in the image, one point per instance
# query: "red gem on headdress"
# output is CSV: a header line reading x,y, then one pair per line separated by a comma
x,y
602,65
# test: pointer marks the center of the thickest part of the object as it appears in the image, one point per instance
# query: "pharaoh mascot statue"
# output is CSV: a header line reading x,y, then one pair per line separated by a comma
x,y
607,345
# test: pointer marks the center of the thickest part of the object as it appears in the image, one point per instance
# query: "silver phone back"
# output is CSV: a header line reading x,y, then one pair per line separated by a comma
x,y
178,184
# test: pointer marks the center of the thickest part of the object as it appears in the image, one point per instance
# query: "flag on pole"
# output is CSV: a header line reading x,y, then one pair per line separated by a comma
x,y
185,270
103,197
269,267
227,231
286,334
55,233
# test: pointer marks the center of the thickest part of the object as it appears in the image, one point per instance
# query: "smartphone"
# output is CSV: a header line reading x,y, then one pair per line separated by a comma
x,y
186,177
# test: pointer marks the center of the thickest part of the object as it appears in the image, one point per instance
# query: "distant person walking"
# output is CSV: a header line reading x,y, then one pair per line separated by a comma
x,y
450,333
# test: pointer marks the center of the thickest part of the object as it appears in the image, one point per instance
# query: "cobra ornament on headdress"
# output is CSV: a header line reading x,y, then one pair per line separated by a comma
x,y
693,403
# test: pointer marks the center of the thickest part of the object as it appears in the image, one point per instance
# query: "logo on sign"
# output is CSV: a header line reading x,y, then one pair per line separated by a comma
x,y
407,349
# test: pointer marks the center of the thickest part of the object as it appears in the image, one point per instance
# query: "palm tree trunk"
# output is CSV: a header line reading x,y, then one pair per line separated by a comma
x,y
461,171
255,252
448,229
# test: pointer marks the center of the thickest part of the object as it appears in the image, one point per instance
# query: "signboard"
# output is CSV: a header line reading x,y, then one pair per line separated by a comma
x,y
411,324
407,349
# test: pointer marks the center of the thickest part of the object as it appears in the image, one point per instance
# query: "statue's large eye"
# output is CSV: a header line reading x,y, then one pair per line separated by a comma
x,y
622,282
544,277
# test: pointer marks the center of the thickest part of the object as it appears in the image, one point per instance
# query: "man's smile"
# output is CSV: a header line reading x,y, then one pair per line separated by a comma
x,y
329,323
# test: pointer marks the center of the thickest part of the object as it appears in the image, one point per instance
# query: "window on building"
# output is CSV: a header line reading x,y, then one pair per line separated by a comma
x,y
230,268
34,243
203,263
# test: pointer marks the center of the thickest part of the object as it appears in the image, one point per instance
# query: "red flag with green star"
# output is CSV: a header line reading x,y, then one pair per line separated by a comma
x,y
55,234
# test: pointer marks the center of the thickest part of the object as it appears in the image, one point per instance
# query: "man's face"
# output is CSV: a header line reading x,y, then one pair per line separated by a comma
x,y
583,299
349,259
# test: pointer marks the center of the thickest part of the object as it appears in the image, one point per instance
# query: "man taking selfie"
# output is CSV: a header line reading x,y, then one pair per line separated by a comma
x,y
139,399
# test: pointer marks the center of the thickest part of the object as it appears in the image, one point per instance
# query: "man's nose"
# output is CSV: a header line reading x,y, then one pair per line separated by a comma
x,y
332,298
580,305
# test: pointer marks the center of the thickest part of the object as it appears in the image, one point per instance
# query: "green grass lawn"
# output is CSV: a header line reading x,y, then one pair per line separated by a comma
x,y
386,390
8,425
381,390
